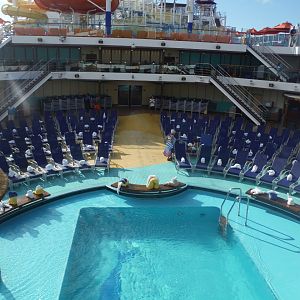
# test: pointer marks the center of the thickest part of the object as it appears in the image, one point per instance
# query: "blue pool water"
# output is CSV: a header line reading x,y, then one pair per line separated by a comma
x,y
158,253
101,246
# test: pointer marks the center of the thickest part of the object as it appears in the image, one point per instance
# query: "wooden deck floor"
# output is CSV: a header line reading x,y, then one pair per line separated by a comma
x,y
138,141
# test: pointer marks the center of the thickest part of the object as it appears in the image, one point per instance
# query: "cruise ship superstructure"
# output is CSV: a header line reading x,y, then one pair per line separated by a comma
x,y
183,53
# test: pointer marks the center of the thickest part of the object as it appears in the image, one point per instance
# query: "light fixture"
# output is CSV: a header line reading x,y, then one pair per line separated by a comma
x,y
183,78
62,38
271,84
100,41
163,44
40,39
218,47
76,75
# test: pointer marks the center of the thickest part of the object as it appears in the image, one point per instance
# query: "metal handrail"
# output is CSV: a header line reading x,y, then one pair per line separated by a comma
x,y
10,98
227,195
241,89
246,99
268,50
33,68
239,199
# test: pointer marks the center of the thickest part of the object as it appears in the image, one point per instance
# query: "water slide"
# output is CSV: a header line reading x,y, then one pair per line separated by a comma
x,y
24,9
78,6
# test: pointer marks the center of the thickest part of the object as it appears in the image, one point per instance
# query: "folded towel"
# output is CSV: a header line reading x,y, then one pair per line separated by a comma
x,y
256,191
250,154
182,160
219,162
248,141
82,162
12,173
202,160
259,134
261,145
30,169
65,162
289,177
254,169
245,133
234,151
236,166
102,159
49,167
271,172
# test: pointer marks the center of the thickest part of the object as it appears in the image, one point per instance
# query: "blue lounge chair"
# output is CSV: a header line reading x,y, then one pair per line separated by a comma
x,y
283,181
204,158
240,159
77,156
5,168
5,147
181,160
220,162
277,166
58,157
103,156
70,138
260,160
41,161
22,163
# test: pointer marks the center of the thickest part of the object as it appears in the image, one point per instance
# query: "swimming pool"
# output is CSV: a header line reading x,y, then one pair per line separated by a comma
x,y
177,253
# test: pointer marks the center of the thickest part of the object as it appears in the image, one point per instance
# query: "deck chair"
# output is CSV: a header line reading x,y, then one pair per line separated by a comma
x,y
13,179
103,156
277,167
220,162
181,160
78,157
254,169
288,178
41,161
22,163
204,158
58,158
241,160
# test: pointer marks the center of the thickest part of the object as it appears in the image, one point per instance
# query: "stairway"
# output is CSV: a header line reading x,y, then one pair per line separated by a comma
x,y
237,94
5,41
21,89
272,61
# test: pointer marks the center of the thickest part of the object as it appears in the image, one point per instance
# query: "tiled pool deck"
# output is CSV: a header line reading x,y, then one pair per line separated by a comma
x,y
89,179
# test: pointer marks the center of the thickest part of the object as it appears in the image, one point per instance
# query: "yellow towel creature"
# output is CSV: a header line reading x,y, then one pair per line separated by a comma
x,y
152,182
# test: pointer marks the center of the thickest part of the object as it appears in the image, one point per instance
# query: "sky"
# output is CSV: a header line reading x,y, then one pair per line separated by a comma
x,y
259,13
251,13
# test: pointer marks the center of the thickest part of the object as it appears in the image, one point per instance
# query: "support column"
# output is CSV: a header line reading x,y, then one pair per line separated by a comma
x,y
108,17
190,13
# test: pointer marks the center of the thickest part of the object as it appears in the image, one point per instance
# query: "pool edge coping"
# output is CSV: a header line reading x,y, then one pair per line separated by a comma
x,y
34,204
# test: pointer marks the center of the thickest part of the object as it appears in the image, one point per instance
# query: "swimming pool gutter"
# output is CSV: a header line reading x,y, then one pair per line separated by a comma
x,y
37,203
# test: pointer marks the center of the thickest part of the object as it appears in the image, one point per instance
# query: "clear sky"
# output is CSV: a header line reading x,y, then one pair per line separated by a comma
x,y
259,13
251,13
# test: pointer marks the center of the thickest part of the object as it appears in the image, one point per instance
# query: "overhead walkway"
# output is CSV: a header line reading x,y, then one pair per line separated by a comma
x,y
274,62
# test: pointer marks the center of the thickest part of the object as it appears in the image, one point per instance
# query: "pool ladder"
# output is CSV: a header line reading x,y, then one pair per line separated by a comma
x,y
223,220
